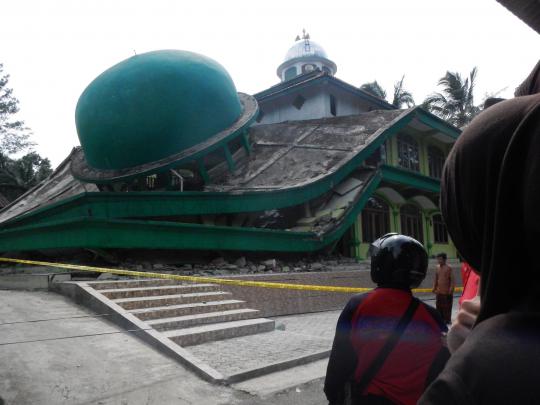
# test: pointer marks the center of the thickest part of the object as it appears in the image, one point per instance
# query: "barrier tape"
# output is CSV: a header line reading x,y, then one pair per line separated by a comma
x,y
243,283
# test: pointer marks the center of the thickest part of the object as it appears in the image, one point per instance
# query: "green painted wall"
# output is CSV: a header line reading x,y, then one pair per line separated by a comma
x,y
423,144
360,251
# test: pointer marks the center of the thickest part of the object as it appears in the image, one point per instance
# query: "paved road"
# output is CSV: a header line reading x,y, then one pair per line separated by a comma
x,y
42,362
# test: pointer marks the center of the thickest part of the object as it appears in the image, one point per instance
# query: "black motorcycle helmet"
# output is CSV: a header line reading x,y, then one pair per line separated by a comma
x,y
398,260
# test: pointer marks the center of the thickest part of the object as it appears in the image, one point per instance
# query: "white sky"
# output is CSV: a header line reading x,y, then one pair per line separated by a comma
x,y
53,49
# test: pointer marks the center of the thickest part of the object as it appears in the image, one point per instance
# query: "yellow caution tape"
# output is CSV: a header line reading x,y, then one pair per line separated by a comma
x,y
264,284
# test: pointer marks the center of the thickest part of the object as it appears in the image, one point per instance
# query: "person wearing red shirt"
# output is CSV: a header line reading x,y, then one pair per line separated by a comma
x,y
362,358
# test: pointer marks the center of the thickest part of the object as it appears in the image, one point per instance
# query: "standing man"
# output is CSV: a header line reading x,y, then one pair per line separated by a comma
x,y
444,288
388,345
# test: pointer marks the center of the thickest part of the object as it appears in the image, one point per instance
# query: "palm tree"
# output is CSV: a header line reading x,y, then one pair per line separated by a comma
x,y
402,96
455,103
375,89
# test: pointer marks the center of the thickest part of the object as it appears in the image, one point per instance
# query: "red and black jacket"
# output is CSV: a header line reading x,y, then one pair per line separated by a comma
x,y
363,328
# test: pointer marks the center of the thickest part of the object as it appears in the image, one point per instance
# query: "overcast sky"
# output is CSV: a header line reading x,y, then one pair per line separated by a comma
x,y
53,49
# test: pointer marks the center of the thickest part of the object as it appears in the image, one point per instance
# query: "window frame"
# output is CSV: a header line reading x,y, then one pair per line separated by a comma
x,y
435,161
408,152
375,220
439,229
333,105
412,221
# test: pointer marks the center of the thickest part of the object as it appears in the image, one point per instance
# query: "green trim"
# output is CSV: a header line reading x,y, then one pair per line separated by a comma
x,y
409,178
136,234
437,123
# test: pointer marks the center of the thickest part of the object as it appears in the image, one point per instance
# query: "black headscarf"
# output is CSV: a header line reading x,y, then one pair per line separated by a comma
x,y
531,85
490,199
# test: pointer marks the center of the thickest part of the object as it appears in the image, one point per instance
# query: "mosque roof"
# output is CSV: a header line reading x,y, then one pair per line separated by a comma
x,y
318,76
289,163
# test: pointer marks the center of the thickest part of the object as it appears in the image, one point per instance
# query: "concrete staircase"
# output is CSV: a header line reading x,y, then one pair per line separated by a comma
x,y
187,314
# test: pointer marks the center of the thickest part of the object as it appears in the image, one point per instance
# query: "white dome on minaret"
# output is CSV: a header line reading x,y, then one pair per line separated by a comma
x,y
302,49
303,57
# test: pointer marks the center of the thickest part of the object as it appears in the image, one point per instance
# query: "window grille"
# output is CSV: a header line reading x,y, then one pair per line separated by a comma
x,y
408,153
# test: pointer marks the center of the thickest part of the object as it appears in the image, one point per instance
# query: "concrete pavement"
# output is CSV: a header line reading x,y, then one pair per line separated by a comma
x,y
55,352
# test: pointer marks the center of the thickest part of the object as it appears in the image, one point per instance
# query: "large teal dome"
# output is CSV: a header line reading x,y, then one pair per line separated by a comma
x,y
152,106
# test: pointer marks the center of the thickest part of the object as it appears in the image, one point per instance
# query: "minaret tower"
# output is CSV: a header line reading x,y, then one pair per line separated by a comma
x,y
303,57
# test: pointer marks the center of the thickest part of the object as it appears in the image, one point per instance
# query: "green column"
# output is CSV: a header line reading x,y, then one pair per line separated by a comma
x,y
395,220
228,156
202,171
245,142
356,235
427,232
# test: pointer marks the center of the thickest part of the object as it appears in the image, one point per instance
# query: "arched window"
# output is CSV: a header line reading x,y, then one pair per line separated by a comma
x,y
375,219
290,73
436,162
440,235
411,222
408,154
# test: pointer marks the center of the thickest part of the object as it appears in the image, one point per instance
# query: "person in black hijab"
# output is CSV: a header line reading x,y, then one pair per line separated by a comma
x,y
490,199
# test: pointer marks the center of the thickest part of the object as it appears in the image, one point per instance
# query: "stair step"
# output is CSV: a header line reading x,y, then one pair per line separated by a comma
x,y
145,282
165,300
146,314
219,331
187,321
157,290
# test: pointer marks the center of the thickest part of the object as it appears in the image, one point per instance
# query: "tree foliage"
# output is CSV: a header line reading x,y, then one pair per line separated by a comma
x,y
375,89
400,97
455,103
16,175
14,135
19,175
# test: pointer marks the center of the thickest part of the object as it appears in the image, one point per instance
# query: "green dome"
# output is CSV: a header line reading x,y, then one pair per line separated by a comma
x,y
154,105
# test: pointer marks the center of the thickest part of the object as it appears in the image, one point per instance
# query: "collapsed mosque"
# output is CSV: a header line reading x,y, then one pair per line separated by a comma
x,y
172,157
